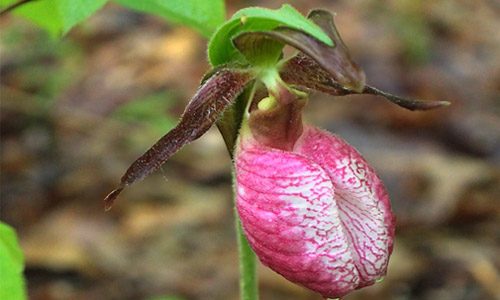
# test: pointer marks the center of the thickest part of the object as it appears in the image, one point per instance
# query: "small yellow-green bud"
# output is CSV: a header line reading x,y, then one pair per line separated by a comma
x,y
267,103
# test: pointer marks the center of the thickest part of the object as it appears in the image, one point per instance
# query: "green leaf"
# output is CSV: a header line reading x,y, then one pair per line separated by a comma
x,y
221,50
11,265
259,50
202,15
56,16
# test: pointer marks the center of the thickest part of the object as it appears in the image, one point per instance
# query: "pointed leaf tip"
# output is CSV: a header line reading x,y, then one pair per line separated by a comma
x,y
410,104
111,197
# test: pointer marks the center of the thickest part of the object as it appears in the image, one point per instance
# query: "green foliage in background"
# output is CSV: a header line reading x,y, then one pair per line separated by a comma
x,y
414,35
12,285
221,49
59,16
150,117
202,15
409,22
56,16
48,66
152,110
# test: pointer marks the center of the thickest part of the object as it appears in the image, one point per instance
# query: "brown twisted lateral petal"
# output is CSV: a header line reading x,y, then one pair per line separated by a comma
x,y
407,103
306,71
335,59
212,98
303,71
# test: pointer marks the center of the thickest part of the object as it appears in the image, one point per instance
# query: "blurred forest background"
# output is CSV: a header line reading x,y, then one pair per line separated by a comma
x,y
76,112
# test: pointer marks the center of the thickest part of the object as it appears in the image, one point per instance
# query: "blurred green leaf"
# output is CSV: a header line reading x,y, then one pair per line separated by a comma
x,y
202,15
150,111
56,16
42,64
221,49
415,36
12,285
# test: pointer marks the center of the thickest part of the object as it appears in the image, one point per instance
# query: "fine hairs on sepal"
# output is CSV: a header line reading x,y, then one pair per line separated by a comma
x,y
311,207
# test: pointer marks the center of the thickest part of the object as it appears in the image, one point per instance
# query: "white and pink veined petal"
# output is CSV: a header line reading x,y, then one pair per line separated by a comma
x,y
318,215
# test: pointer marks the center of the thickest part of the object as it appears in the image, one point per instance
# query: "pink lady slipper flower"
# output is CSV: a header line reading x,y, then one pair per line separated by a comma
x,y
310,206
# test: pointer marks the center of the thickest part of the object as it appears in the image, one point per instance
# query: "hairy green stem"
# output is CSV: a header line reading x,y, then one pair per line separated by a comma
x,y
247,260
248,273
249,289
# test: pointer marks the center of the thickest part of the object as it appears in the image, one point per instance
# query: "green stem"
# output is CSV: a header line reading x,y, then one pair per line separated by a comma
x,y
248,275
228,127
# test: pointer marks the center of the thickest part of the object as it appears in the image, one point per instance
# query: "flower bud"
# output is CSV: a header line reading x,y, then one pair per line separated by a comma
x,y
316,213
